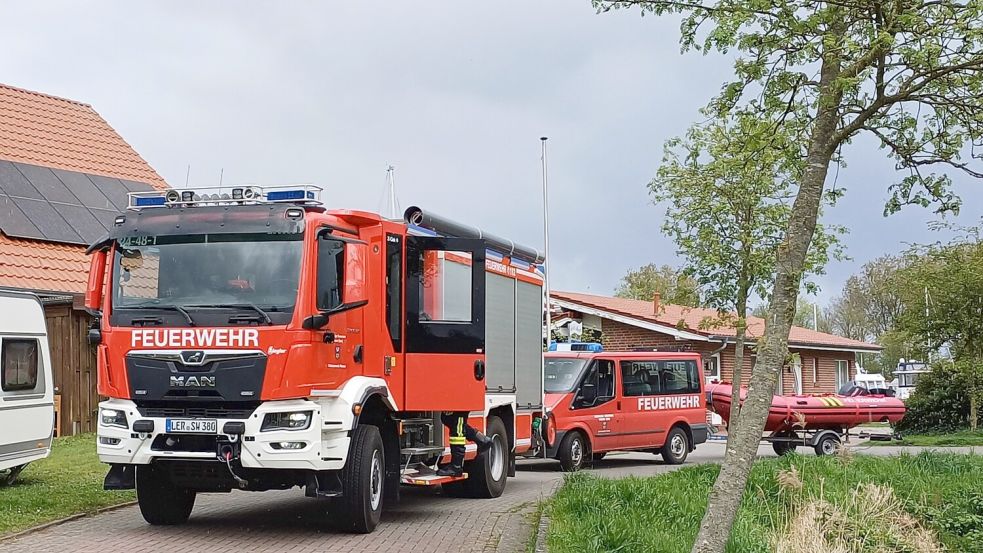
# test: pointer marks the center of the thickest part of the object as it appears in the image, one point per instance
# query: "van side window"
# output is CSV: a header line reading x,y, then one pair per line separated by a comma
x,y
646,378
19,363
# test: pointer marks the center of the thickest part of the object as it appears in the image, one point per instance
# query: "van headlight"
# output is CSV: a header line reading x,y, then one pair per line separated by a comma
x,y
113,417
297,420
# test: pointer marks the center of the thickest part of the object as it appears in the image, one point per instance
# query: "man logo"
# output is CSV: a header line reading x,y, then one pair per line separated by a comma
x,y
192,382
193,357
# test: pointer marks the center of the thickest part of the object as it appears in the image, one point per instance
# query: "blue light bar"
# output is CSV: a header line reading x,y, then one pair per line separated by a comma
x,y
289,195
146,201
592,347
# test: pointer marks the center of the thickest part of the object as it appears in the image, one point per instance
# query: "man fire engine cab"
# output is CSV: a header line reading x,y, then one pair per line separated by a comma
x,y
248,338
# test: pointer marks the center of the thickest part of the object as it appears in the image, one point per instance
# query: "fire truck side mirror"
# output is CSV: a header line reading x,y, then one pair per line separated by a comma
x,y
94,288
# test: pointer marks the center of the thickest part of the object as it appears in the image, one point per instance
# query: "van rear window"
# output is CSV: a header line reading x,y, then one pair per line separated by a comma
x,y
19,362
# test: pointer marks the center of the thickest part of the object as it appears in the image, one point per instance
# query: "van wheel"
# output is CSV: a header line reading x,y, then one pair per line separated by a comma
x,y
573,452
362,481
676,448
827,445
487,473
161,502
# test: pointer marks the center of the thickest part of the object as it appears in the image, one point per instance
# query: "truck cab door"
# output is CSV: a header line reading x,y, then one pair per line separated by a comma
x,y
445,324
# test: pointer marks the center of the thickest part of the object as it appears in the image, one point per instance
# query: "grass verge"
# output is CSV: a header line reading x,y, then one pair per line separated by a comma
x,y
68,482
857,503
963,438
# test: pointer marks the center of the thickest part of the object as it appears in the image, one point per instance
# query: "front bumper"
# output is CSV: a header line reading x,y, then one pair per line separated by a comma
x,y
326,442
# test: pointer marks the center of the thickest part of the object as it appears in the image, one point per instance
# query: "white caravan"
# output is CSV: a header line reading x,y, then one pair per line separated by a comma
x,y
27,411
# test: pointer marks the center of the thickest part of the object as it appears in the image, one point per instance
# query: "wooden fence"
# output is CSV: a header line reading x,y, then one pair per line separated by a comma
x,y
73,362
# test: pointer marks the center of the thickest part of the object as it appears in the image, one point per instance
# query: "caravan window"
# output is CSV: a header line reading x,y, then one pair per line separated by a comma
x,y
19,361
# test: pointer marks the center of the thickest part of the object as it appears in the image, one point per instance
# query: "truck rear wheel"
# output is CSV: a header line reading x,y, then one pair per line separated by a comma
x,y
362,481
161,502
488,472
676,448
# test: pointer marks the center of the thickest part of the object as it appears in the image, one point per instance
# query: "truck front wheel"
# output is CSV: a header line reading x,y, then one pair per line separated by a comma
x,y
363,481
161,502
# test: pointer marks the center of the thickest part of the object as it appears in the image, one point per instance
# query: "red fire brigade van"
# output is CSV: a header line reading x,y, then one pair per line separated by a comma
x,y
248,338
598,402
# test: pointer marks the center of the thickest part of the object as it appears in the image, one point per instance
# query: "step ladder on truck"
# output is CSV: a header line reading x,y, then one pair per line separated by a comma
x,y
248,338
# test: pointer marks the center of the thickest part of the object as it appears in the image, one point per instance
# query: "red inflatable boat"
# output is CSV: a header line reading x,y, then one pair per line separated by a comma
x,y
814,412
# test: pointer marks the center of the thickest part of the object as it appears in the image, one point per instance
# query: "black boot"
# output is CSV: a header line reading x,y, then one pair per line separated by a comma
x,y
483,442
456,466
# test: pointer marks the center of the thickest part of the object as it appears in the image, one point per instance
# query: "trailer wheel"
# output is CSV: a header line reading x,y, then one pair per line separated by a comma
x,y
827,444
488,472
573,451
676,448
161,502
782,448
363,481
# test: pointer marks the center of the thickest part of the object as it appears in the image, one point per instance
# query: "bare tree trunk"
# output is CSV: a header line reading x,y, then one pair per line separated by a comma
x,y
735,394
742,443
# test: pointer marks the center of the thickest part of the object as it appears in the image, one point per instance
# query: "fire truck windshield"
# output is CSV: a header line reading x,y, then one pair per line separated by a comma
x,y
240,271
562,374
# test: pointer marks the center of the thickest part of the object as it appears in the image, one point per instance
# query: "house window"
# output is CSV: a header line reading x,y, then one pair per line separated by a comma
x,y
842,373
19,361
815,368
711,368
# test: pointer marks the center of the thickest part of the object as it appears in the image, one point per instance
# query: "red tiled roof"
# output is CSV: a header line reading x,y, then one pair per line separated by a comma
x,y
694,319
46,130
42,266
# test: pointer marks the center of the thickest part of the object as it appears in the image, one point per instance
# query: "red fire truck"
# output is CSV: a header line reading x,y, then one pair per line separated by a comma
x,y
607,401
248,338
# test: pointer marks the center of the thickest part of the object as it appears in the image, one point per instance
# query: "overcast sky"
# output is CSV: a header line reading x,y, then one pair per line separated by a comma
x,y
454,94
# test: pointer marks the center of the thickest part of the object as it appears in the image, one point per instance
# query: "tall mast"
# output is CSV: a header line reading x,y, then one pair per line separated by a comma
x,y
546,245
393,203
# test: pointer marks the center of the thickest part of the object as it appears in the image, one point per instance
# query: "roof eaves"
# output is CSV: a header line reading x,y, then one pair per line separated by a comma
x,y
630,320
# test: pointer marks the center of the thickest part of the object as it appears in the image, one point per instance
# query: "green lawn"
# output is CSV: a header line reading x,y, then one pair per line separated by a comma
x,y
961,438
66,483
920,501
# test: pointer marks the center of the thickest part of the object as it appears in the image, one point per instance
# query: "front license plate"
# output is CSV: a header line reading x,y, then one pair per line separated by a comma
x,y
191,426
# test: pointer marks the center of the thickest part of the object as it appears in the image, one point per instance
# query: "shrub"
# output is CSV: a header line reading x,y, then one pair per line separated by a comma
x,y
940,403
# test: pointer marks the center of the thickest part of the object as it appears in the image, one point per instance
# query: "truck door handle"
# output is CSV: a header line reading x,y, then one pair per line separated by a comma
x,y
619,404
479,370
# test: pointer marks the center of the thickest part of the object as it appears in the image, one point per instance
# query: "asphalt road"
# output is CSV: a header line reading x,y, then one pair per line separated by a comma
x,y
423,521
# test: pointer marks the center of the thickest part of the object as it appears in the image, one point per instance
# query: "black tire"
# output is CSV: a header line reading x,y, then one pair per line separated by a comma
x,y
573,452
488,472
676,448
827,445
783,448
598,456
363,481
161,502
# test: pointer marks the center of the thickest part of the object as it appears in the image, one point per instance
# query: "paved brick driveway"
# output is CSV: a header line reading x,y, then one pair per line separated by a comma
x,y
424,521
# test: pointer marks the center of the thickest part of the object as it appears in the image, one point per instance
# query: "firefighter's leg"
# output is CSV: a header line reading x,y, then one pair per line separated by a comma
x,y
483,442
454,422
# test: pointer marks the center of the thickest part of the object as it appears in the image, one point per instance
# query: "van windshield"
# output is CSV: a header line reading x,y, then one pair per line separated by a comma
x,y
562,374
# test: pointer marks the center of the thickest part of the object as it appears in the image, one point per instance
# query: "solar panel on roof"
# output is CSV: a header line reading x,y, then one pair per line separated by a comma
x,y
13,222
51,224
57,205
113,189
88,193
82,221
47,184
15,184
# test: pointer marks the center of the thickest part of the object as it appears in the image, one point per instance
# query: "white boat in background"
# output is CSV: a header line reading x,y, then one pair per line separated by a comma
x,y
906,376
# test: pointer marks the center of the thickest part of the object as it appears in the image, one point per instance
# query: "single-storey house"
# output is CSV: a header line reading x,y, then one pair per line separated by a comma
x,y
825,361
64,176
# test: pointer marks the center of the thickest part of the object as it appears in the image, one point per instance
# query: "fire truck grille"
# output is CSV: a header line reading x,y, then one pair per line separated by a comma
x,y
231,411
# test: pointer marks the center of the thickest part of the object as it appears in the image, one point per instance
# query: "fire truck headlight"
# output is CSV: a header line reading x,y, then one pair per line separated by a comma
x,y
113,417
298,420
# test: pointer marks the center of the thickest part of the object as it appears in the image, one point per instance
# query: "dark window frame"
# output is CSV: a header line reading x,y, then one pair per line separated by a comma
x,y
7,387
339,271
394,290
